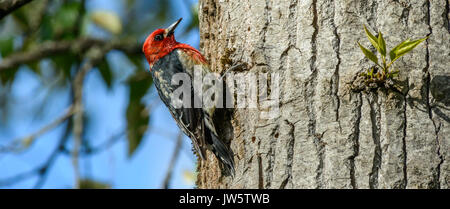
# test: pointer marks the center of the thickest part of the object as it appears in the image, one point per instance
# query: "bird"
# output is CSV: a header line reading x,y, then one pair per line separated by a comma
x,y
167,57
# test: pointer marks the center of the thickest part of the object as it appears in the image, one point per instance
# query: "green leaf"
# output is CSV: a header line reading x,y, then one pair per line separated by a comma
x,y
138,118
137,114
46,31
392,54
107,20
64,63
26,17
20,17
105,72
395,73
92,184
65,18
8,75
372,38
381,44
405,47
34,66
194,21
6,46
85,22
137,61
189,176
370,73
369,54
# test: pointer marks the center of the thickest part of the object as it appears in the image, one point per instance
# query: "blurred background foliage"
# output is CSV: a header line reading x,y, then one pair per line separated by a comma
x,y
54,39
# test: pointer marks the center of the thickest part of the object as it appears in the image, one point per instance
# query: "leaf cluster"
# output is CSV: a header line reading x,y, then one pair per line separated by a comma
x,y
384,68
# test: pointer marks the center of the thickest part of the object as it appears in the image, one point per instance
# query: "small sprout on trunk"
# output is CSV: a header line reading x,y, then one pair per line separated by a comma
x,y
382,74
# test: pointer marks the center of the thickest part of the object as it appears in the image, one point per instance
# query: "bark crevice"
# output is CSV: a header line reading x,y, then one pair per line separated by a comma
x,y
290,154
267,10
272,157
376,132
355,141
404,182
435,182
320,149
404,17
335,78
445,15
309,92
260,173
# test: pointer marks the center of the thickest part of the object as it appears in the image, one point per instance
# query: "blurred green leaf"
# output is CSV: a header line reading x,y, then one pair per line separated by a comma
x,y
65,19
64,62
28,17
105,72
137,61
189,176
107,20
137,118
369,54
163,9
137,113
46,31
20,17
60,24
34,66
92,184
6,46
139,83
193,24
8,75
130,3
84,24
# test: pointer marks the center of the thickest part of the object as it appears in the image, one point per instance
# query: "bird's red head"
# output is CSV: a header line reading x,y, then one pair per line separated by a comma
x,y
162,41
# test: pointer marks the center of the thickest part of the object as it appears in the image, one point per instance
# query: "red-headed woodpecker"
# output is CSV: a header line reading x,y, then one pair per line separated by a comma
x,y
166,58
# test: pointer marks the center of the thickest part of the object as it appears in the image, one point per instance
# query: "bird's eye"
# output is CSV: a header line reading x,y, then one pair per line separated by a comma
x,y
158,37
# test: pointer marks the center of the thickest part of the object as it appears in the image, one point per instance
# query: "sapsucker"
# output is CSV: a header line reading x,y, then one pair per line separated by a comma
x,y
168,57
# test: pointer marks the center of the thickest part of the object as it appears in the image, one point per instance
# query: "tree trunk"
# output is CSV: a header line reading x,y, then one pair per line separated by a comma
x,y
326,135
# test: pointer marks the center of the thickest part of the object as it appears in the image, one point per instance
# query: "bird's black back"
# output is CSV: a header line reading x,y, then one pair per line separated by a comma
x,y
191,120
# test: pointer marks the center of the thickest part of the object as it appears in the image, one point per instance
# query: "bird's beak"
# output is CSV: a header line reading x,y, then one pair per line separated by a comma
x,y
172,27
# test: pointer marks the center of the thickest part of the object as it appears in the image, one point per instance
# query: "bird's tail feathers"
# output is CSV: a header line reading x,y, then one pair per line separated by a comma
x,y
223,153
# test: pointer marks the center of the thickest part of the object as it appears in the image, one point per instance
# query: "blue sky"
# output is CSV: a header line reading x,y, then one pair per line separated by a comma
x,y
106,108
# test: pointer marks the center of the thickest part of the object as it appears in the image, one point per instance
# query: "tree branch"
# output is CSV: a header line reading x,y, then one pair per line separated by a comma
x,y
173,160
41,170
94,55
78,117
88,150
8,6
19,144
80,45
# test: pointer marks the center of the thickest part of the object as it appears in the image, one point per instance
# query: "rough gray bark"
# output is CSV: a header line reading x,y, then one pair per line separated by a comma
x,y
328,136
